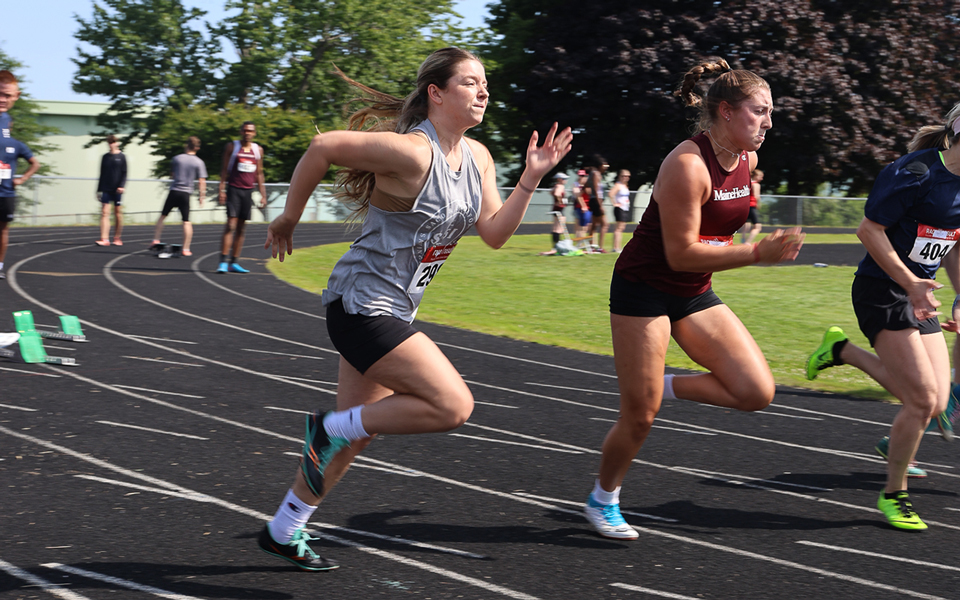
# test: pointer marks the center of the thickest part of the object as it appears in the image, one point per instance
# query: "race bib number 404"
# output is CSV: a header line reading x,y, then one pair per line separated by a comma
x,y
932,244
431,263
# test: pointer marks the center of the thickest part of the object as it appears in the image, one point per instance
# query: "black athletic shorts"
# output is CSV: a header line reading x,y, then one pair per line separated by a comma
x,y
596,209
8,207
620,215
239,203
754,216
637,299
364,340
882,304
179,200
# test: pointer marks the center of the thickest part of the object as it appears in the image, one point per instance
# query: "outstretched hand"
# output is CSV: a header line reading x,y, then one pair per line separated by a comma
x,y
781,245
920,293
280,237
541,159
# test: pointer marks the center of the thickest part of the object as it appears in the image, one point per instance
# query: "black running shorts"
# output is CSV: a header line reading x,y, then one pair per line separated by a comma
x,y
882,304
8,208
364,340
178,200
239,203
637,299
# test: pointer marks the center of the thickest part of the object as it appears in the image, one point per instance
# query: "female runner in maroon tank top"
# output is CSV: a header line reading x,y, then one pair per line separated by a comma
x,y
661,283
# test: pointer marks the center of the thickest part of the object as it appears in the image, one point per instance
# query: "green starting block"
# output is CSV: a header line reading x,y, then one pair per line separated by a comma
x,y
70,330
32,351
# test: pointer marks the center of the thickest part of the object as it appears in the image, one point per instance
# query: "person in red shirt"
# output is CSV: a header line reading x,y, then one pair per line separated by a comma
x,y
242,169
661,284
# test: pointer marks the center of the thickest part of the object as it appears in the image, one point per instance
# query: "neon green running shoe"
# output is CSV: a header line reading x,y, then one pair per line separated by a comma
x,y
900,513
822,357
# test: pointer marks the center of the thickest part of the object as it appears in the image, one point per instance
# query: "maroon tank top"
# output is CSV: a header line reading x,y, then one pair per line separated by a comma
x,y
643,258
244,173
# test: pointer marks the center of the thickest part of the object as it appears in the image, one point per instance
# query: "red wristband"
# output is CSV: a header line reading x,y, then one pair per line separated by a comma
x,y
756,254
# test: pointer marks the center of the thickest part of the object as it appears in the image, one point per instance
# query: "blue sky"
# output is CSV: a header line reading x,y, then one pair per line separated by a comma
x,y
40,35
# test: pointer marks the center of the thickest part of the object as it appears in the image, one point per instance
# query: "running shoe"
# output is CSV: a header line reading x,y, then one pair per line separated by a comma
x,y
186,253
318,450
2,274
822,357
913,469
235,268
223,267
102,242
296,551
117,242
945,420
899,512
608,521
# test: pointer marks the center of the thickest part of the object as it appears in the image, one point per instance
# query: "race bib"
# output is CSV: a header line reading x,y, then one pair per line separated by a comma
x,y
246,167
716,240
5,171
932,244
431,263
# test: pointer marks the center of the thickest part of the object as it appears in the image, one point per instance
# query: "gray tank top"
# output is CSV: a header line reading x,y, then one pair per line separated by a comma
x,y
388,267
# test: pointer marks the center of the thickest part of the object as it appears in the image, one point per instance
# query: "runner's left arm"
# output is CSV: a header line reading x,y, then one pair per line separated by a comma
x,y
33,168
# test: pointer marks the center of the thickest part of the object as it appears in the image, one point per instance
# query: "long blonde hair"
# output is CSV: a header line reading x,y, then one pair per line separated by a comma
x,y
383,112
732,87
936,136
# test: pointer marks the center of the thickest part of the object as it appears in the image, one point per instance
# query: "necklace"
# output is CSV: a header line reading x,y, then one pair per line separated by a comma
x,y
714,140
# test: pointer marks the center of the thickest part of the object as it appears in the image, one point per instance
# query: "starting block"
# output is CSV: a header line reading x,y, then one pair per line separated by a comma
x,y
163,250
70,330
31,349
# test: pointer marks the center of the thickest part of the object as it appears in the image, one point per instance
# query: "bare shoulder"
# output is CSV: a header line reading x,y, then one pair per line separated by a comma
x,y
683,174
685,160
480,154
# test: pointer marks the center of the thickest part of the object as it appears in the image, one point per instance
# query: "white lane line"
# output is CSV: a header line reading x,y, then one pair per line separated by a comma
x,y
137,427
494,404
130,585
652,592
902,559
283,354
43,584
657,427
23,408
526,360
144,488
774,414
28,372
333,383
400,540
146,337
405,473
580,504
167,362
572,389
486,439
293,410
140,389
835,416
757,480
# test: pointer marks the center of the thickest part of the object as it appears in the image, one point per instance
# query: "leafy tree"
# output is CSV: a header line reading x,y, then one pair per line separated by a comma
x,y
161,72
26,124
147,59
851,82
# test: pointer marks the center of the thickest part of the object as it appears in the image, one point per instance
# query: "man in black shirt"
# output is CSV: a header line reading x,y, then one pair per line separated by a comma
x,y
113,178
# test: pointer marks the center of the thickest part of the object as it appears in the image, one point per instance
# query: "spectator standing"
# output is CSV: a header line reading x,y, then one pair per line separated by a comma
x,y
620,198
113,180
185,169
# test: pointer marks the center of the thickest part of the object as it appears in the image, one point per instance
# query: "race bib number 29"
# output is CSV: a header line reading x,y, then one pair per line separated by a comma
x,y
431,263
932,244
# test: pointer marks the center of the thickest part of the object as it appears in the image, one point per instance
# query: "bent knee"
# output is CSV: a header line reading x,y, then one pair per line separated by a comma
x,y
756,397
457,410
637,423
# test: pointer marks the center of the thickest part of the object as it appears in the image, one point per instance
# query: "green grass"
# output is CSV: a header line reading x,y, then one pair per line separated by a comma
x,y
563,301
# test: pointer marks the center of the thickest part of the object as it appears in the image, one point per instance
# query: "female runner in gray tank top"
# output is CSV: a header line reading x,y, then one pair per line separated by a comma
x,y
419,185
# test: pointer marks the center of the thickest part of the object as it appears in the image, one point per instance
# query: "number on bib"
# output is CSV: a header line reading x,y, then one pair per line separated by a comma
x,y
932,244
429,266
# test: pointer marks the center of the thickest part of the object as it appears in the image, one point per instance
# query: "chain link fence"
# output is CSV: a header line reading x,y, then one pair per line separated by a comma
x,y
53,200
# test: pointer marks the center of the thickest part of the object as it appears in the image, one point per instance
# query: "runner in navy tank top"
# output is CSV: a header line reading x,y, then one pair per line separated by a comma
x,y
661,283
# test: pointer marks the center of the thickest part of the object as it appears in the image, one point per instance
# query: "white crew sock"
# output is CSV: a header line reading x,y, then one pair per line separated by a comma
x,y
668,387
1,266
291,516
603,496
345,424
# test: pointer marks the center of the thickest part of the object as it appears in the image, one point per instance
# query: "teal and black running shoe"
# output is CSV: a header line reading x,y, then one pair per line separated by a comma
x,y
945,420
913,470
822,357
297,551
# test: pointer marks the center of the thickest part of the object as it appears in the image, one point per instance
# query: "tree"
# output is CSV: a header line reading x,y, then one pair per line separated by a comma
x,y
851,83
158,69
147,60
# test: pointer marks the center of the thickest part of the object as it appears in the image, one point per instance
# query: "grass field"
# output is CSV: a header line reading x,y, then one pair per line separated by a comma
x,y
563,301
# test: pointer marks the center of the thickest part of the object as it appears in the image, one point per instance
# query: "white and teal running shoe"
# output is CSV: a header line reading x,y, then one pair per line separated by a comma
x,y
608,521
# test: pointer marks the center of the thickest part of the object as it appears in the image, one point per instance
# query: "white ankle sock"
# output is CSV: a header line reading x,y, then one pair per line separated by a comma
x,y
603,496
345,424
668,387
291,516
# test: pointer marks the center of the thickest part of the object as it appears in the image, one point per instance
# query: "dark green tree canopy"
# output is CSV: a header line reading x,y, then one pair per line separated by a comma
x,y
164,69
26,126
851,82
